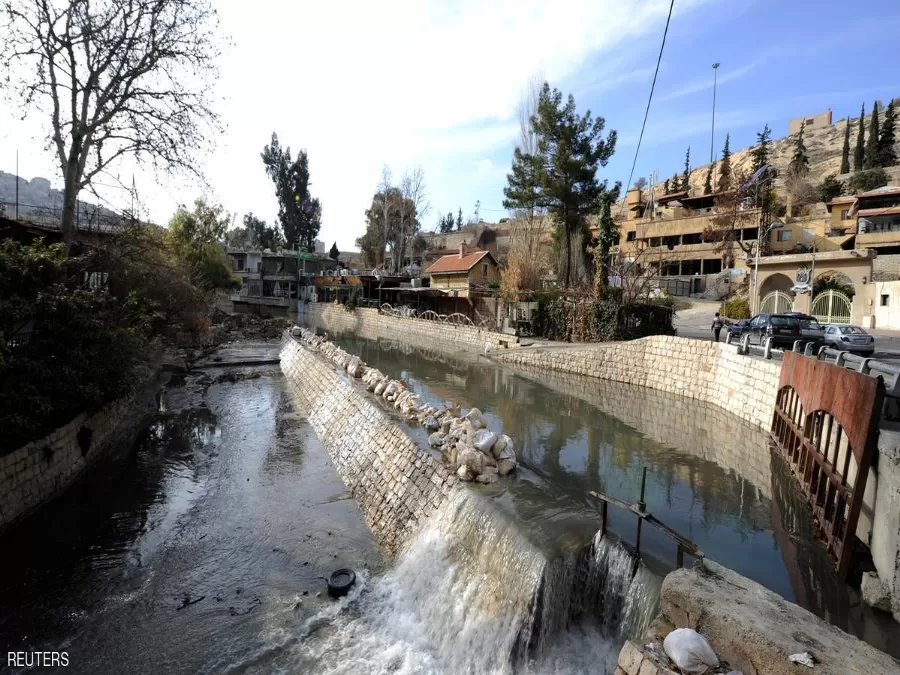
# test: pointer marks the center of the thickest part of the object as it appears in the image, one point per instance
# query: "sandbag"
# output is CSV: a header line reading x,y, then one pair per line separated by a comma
x,y
483,440
690,651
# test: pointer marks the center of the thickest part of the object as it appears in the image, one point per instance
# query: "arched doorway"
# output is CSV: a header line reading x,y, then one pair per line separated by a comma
x,y
832,297
776,302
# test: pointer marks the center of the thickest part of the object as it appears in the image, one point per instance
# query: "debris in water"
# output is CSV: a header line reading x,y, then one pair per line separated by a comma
x,y
804,659
186,602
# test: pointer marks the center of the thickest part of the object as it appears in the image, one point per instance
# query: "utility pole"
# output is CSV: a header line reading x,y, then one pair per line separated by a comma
x,y
17,186
712,140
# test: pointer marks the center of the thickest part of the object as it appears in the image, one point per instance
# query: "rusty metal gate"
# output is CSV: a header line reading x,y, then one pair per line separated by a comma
x,y
825,425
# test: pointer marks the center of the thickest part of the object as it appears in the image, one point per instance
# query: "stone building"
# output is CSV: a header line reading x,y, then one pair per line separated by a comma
x,y
464,272
818,121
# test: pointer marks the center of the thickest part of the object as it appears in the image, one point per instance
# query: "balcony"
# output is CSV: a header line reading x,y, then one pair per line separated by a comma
x,y
876,239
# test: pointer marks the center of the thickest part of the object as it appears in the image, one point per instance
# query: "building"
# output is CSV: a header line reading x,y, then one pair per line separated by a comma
x,y
462,273
877,214
809,122
270,282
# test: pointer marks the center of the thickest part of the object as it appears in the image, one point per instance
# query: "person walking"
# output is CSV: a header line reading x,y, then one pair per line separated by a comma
x,y
717,326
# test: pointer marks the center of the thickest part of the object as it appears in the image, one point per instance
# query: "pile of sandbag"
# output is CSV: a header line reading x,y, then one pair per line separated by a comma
x,y
474,451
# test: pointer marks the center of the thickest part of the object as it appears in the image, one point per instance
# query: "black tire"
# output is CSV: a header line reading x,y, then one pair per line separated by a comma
x,y
340,582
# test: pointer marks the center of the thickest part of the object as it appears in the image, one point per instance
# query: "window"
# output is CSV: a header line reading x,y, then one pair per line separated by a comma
x,y
484,270
630,236
885,299
784,235
810,122
845,214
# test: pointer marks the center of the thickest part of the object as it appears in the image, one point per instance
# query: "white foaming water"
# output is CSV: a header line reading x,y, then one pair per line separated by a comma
x,y
472,595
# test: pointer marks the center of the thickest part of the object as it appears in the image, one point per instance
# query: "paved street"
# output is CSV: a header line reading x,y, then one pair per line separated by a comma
x,y
695,322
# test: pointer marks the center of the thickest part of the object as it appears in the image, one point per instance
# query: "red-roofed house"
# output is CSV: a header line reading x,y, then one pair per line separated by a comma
x,y
464,271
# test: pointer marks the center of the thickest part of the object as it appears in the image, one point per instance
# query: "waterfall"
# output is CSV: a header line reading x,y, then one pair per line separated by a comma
x,y
471,594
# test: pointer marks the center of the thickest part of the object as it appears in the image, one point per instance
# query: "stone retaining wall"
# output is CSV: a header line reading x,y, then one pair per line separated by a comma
x,y
708,371
397,484
41,470
369,323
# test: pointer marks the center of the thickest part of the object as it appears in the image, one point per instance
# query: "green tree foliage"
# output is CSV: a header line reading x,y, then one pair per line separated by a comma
x,y
607,237
725,166
859,153
871,159
299,213
334,254
374,239
800,161
845,150
830,188
666,187
760,153
255,234
195,238
887,155
447,224
707,185
736,308
686,176
459,220
676,183
863,181
570,148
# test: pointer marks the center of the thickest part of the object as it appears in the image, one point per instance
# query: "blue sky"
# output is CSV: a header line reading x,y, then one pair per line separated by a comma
x,y
434,83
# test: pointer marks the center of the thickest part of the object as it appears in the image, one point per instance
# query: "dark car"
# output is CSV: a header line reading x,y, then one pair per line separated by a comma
x,y
738,328
810,327
782,328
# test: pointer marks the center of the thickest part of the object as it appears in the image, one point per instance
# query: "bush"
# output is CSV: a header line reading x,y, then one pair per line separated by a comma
x,y
604,320
736,308
863,181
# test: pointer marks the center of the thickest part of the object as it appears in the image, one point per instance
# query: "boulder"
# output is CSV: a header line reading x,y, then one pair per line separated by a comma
x,y
379,388
437,439
431,424
445,427
486,478
499,445
473,459
475,417
354,367
464,473
508,451
505,466
874,592
484,440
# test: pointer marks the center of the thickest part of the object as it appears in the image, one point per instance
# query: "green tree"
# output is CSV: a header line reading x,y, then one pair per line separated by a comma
x,y
725,167
887,155
686,176
830,188
255,234
299,213
845,150
334,254
666,187
195,238
402,221
459,220
760,153
571,148
869,179
859,154
707,185
800,162
676,182
871,160
607,237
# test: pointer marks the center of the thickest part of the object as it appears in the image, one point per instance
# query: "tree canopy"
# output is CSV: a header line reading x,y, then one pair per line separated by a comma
x,y
887,154
799,161
859,153
725,168
255,234
333,253
871,159
845,150
195,237
379,236
760,153
299,213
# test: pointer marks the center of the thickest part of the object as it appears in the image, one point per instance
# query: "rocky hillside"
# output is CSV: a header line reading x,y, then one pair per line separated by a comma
x,y
823,146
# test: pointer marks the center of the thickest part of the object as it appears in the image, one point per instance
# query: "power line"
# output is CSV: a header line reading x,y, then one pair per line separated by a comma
x,y
650,98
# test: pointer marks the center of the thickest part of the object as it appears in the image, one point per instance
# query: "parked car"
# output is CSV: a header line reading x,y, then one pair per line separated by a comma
x,y
738,328
849,338
782,328
810,328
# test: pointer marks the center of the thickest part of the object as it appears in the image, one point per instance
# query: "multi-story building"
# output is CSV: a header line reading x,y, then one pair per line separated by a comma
x,y
270,282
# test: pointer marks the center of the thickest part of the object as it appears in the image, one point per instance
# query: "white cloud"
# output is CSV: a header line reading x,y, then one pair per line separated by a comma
x,y
402,82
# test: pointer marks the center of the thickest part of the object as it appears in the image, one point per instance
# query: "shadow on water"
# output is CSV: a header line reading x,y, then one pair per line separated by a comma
x,y
711,476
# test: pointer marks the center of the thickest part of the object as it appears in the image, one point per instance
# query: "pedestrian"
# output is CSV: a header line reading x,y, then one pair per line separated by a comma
x,y
717,326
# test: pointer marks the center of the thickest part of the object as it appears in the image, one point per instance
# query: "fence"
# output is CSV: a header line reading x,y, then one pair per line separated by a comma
x,y
456,318
88,217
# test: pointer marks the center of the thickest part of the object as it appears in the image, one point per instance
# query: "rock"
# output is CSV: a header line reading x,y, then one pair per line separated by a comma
x,y
354,367
431,424
390,389
486,478
508,451
437,439
445,427
505,466
475,417
379,388
296,331
874,592
464,473
473,459
499,446
484,439
451,454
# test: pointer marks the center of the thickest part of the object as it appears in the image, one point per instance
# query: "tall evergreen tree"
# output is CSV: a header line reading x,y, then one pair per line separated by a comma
x,y
725,166
887,155
299,213
760,153
459,220
666,187
676,182
707,186
686,176
800,162
871,158
607,237
859,154
334,254
845,151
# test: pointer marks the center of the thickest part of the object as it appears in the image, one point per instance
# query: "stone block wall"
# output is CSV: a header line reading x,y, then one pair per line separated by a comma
x,y
39,471
397,484
369,323
708,371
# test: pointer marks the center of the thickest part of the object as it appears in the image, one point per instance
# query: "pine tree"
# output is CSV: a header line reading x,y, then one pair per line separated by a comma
x,y
666,187
725,167
676,182
686,176
887,156
845,151
707,186
459,220
859,154
871,158
334,254
761,151
800,162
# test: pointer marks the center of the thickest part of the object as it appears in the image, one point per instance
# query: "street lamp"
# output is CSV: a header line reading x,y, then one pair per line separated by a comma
x,y
712,140
777,225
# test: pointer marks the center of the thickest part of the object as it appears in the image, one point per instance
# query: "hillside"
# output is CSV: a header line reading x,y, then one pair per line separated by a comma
x,y
823,146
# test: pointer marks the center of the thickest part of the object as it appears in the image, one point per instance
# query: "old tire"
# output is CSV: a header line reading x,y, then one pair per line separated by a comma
x,y
340,582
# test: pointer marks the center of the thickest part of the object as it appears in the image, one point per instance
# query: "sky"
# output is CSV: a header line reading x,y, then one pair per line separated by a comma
x,y
435,83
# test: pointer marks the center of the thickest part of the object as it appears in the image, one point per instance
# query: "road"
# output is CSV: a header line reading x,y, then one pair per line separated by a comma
x,y
695,322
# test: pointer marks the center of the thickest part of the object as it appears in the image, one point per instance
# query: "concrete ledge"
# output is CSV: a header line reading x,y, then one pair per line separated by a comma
x,y
756,630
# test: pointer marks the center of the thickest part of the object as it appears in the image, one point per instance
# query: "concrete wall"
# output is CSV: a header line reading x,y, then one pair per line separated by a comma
x,y
708,371
430,334
885,541
39,471
397,484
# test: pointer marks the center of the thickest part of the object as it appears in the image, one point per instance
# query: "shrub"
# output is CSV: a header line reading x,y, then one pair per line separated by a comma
x,y
863,181
736,308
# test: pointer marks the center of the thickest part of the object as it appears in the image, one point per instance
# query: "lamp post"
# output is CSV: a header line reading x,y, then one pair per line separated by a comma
x,y
712,140
777,225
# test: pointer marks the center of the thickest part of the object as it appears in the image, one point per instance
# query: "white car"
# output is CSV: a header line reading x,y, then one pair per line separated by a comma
x,y
849,338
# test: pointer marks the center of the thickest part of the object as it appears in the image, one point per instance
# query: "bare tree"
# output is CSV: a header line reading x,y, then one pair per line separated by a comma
x,y
734,214
384,189
798,188
118,78
413,206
